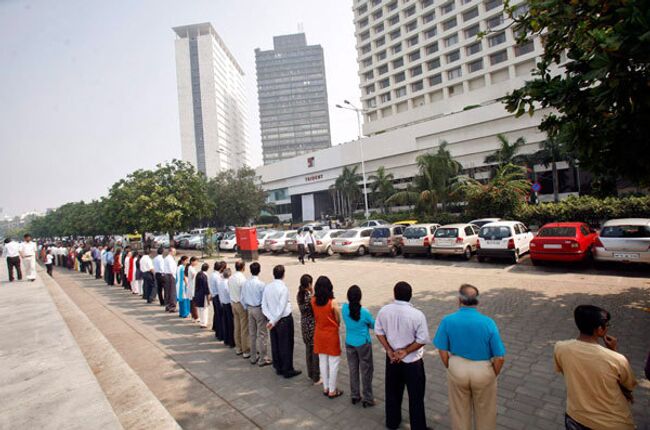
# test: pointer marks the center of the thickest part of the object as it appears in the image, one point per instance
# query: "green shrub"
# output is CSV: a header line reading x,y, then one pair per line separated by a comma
x,y
591,210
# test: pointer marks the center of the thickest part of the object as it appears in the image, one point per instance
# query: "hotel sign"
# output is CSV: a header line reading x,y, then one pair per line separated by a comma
x,y
312,178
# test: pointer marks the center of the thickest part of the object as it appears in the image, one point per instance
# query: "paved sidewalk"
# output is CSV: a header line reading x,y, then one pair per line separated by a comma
x,y
45,382
533,310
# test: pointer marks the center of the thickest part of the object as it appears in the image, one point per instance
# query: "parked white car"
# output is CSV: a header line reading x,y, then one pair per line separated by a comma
x,y
626,240
455,239
275,242
228,242
503,239
482,221
324,240
374,223
353,241
261,236
417,239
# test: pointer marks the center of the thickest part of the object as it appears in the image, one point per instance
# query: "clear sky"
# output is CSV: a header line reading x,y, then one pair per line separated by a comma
x,y
88,87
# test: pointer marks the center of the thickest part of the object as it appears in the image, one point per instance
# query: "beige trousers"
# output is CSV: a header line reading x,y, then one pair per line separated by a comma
x,y
472,394
29,264
240,317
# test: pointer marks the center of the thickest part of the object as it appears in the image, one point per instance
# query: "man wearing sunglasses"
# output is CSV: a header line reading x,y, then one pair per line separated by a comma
x,y
599,381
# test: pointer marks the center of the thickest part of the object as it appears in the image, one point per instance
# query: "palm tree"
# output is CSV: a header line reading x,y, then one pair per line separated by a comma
x,y
382,186
500,195
432,184
346,187
507,151
551,152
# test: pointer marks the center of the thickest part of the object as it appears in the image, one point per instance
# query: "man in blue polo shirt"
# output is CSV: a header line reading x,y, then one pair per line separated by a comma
x,y
471,349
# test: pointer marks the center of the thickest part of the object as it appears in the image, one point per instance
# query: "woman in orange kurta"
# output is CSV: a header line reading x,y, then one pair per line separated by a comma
x,y
327,343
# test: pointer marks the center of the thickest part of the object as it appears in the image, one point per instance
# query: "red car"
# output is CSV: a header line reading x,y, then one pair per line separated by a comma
x,y
563,241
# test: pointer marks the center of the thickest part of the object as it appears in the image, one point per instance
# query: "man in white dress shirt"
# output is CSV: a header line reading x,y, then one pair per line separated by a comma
x,y
12,254
251,299
28,255
310,242
169,270
215,279
235,284
300,241
146,267
159,274
277,309
402,331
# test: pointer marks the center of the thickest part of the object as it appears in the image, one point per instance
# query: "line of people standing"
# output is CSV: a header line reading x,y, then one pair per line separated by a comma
x,y
250,316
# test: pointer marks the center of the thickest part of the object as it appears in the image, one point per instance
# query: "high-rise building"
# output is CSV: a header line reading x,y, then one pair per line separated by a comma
x,y
211,101
420,59
292,93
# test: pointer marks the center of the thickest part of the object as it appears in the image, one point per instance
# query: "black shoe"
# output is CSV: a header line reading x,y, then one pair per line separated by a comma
x,y
368,403
355,401
292,373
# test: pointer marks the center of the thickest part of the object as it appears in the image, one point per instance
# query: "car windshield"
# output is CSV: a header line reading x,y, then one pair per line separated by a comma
x,y
380,232
349,234
495,232
481,222
626,231
229,236
557,232
446,232
291,235
415,232
322,233
277,235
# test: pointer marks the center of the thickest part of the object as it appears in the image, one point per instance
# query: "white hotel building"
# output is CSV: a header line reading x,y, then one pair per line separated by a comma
x,y
211,101
425,77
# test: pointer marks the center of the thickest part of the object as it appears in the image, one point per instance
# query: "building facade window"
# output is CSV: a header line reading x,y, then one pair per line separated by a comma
x,y
475,66
398,63
384,97
431,48
497,39
400,92
454,73
414,56
435,80
451,40
494,21
399,77
449,24
498,57
492,4
453,56
447,7
415,71
472,31
433,64
524,48
470,14
417,86
473,48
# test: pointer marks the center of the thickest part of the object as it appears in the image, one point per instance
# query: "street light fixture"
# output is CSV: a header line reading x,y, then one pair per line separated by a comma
x,y
363,163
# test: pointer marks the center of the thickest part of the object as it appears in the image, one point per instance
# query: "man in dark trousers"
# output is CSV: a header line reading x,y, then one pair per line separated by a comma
x,y
12,254
402,331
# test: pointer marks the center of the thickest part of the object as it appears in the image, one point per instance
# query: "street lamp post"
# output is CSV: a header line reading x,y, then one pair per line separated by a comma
x,y
363,163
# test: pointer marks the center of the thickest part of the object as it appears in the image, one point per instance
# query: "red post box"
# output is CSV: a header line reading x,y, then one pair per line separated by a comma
x,y
247,242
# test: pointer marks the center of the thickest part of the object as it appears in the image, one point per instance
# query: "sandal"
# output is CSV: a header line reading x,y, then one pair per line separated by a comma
x,y
337,393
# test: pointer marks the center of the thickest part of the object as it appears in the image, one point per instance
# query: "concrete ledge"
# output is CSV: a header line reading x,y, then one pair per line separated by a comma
x,y
45,382
134,404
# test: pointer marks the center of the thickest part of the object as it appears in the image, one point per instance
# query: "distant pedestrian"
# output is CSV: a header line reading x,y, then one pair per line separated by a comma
x,y
402,331
310,241
277,309
96,253
235,284
117,267
251,298
599,380
28,256
170,267
300,241
327,343
148,279
49,261
358,347
202,295
12,255
226,310
182,296
307,326
471,349
159,274
217,319
110,260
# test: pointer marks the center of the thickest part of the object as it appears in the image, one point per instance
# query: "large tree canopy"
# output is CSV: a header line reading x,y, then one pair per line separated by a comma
x,y
595,75
237,197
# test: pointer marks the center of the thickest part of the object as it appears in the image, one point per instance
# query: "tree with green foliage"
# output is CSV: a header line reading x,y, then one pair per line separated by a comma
x,y
432,185
346,188
382,187
594,74
236,197
507,152
501,196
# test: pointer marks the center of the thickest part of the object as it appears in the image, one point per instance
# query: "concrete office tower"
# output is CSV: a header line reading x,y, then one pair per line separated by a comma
x,y
292,93
421,59
211,101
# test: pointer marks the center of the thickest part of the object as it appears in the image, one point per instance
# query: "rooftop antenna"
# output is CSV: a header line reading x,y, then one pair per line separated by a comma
x,y
300,28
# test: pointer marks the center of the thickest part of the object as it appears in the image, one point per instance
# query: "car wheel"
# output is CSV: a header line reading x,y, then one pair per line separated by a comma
x,y
361,251
515,257
373,254
436,256
329,251
468,253
236,249
406,255
481,259
536,262
393,252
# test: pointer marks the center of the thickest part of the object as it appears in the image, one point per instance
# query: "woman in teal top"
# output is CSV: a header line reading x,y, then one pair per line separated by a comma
x,y
181,288
358,346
